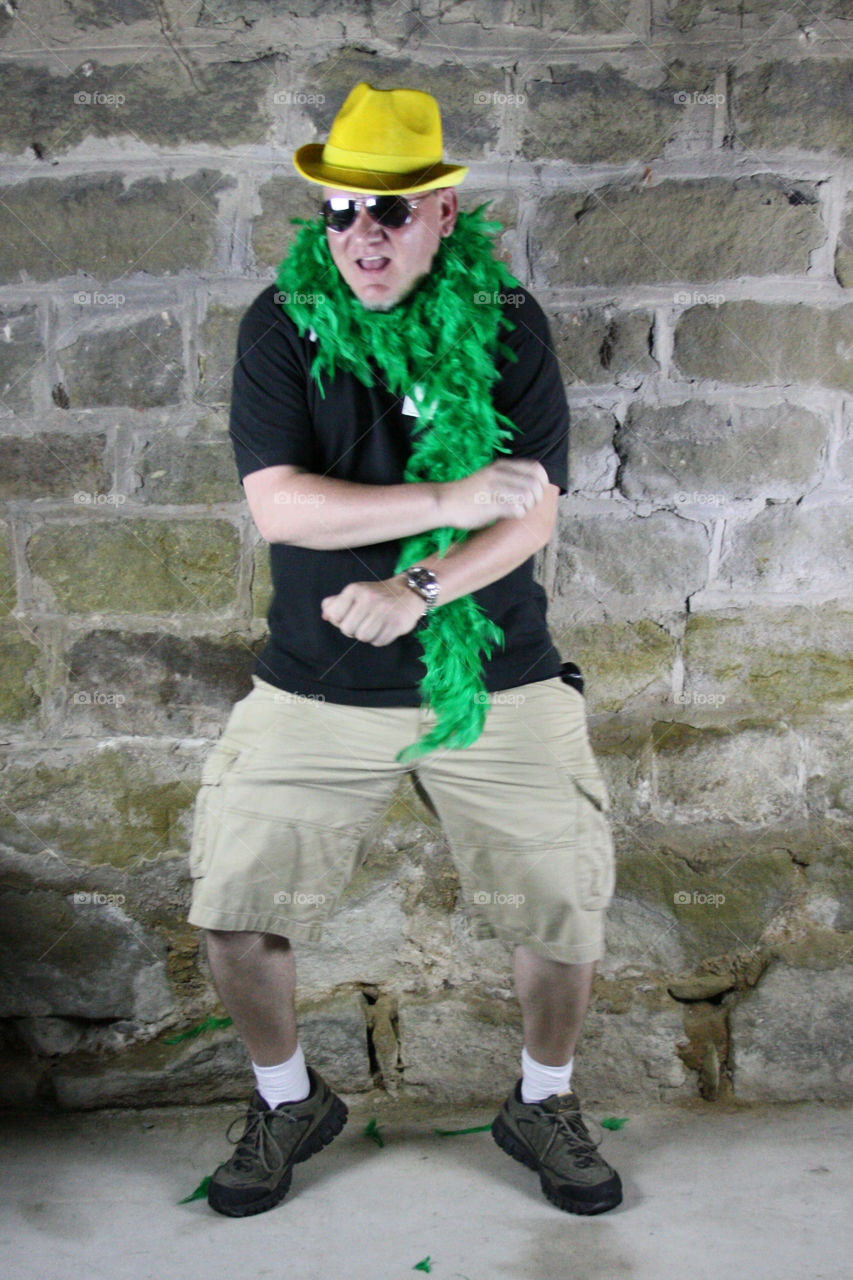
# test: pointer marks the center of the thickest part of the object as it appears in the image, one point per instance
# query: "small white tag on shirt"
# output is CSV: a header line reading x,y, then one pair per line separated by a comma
x,y
418,410
312,337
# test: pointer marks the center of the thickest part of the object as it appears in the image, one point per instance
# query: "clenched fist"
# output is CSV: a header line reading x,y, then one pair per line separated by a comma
x,y
375,612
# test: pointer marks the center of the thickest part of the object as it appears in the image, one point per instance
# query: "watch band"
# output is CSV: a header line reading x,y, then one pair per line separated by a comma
x,y
425,583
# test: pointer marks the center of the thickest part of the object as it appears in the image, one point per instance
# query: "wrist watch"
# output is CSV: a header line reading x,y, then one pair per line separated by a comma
x,y
425,583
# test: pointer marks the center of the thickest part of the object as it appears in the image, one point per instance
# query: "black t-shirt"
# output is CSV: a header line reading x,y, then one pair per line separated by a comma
x,y
364,434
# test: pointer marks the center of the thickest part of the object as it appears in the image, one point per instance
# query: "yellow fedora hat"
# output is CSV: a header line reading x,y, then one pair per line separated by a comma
x,y
381,140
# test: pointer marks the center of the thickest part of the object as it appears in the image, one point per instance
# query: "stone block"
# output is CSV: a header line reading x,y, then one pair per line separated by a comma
x,y
709,454
459,1050
771,662
624,567
261,581
147,683
212,1068
21,353
120,805
136,565
754,343
50,1037
86,959
622,662
791,1036
691,893
592,459
708,230
221,104
601,116
95,224
334,1038
18,660
632,1054
195,466
53,465
746,19
8,575
603,345
828,751
272,231
139,365
748,775
806,105
217,352
844,253
788,549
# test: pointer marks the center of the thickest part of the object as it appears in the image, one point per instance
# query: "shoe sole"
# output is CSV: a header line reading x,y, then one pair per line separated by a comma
x,y
328,1129
513,1146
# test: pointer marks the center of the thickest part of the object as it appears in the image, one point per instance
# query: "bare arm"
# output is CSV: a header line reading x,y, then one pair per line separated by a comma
x,y
379,612
295,506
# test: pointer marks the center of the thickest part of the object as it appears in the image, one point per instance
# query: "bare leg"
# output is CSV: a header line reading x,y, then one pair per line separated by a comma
x,y
255,976
554,998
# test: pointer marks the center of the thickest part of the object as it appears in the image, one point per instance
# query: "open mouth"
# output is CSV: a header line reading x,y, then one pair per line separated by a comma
x,y
373,264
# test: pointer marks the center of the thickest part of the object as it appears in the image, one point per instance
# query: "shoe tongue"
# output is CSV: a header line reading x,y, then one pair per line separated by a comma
x,y
567,1101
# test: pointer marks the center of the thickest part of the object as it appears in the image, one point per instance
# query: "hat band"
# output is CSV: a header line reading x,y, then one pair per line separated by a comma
x,y
342,158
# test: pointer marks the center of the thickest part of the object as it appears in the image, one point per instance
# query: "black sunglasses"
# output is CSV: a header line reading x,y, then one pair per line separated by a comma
x,y
392,212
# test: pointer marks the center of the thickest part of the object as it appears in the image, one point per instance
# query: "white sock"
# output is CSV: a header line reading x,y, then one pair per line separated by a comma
x,y
285,1082
539,1081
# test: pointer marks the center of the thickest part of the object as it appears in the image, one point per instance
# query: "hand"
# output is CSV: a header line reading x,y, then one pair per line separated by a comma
x,y
503,490
375,612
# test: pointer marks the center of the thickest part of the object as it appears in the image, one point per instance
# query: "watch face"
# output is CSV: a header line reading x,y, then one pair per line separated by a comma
x,y
424,582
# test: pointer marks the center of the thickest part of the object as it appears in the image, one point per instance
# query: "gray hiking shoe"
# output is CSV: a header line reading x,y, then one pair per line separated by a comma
x,y
551,1138
258,1174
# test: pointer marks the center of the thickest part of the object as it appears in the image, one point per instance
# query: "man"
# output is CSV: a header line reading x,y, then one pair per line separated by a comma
x,y
400,429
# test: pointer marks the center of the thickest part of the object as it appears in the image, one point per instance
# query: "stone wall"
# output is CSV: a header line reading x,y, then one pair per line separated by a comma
x,y
674,179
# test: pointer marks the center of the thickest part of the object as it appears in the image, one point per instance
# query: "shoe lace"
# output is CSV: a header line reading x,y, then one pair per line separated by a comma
x,y
256,1145
571,1125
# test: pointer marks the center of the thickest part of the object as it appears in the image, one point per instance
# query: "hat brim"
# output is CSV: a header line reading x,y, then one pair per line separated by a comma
x,y
308,162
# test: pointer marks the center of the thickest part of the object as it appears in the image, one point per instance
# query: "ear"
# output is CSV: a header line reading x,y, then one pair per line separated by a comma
x,y
448,208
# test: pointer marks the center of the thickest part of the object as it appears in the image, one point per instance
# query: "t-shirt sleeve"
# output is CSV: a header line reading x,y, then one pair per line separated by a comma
x,y
530,390
270,422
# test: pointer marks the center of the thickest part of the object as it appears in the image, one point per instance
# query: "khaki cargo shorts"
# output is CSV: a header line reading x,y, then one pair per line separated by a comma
x,y
291,791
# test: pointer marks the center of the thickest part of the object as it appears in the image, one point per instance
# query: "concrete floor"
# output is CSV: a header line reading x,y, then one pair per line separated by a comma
x,y
758,1194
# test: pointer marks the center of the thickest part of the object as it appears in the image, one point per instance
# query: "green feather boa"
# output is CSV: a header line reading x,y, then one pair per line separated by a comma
x,y
438,345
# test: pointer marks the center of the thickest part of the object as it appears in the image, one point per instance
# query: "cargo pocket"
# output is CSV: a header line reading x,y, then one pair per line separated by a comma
x,y
595,868
205,818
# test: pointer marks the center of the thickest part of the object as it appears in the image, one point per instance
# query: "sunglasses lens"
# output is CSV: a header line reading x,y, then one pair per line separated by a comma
x,y
389,211
338,214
